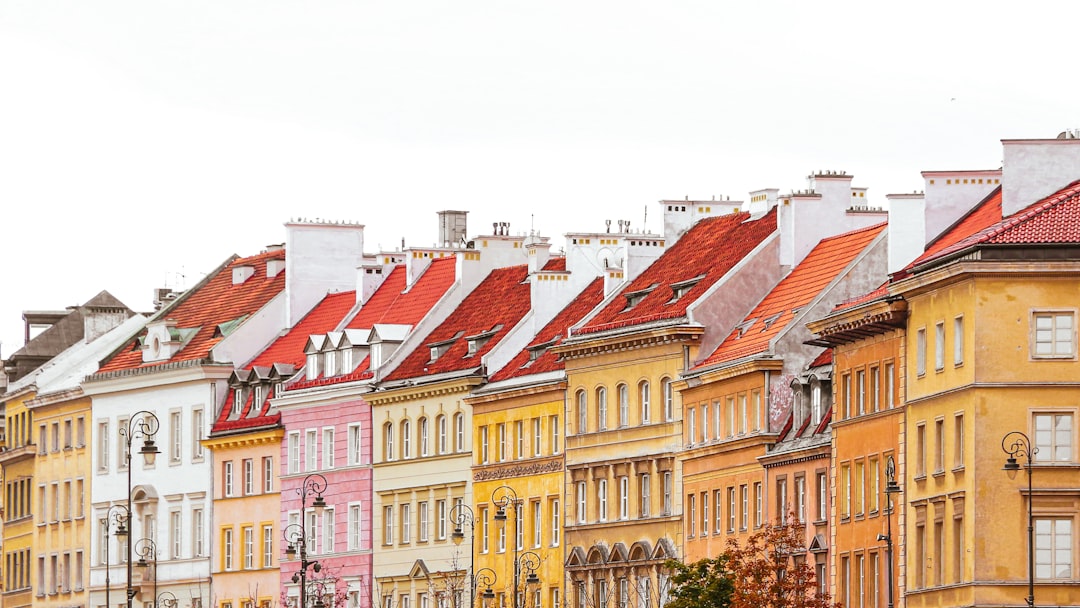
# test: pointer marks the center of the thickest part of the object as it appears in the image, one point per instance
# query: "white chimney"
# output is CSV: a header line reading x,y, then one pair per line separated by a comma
x,y
806,217
539,253
368,278
762,200
907,229
320,257
951,194
1036,168
242,273
453,228
680,216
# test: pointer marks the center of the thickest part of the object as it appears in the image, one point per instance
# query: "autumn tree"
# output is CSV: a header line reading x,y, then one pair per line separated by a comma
x,y
706,583
770,571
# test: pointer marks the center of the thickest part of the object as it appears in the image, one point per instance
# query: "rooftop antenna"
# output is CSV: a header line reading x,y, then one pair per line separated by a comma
x,y
645,222
532,222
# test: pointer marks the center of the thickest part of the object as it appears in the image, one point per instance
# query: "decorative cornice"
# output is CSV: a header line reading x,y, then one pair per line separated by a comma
x,y
245,438
537,467
518,391
633,338
871,319
410,393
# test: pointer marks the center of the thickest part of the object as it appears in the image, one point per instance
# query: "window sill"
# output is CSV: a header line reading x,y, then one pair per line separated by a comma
x,y
920,477
939,474
958,469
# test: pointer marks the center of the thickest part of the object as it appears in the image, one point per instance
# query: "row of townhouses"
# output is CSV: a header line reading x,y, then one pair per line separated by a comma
x,y
490,422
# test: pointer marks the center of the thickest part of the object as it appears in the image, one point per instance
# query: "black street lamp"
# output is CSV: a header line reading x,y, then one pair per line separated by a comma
x,y
527,561
119,515
487,578
141,424
296,535
1016,444
147,548
891,488
465,516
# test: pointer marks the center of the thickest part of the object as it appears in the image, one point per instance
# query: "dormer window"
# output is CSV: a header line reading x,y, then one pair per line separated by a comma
x,y
439,349
743,328
256,402
312,366
680,289
238,400
346,360
278,388
769,321
537,350
633,298
476,343
331,363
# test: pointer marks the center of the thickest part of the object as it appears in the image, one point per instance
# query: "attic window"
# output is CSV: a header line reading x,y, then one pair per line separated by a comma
x,y
537,350
238,400
633,298
743,328
769,321
681,288
278,388
256,402
312,366
478,341
439,349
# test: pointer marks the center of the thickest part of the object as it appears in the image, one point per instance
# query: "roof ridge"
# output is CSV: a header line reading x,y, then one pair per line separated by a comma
x,y
852,232
1038,207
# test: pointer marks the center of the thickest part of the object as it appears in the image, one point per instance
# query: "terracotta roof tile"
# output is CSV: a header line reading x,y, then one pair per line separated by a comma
x,y
496,305
880,292
555,264
708,250
216,302
551,335
323,318
825,358
985,214
827,260
392,304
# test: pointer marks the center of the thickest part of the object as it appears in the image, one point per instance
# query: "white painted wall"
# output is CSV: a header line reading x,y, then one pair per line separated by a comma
x,y
951,194
1035,169
907,228
320,257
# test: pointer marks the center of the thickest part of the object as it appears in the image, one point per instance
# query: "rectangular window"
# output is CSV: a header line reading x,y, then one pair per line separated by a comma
x,y
958,440
537,437
705,423
1053,437
644,491
667,493
249,548
601,500
691,514
176,534
197,435
939,346
388,525
691,426
440,519
484,445
354,523
730,431
556,525
742,414
311,449
329,532
485,535
249,477
227,549
227,479
501,428
406,523
328,448
759,514
519,527
294,452
875,389
519,437
424,523
939,446
176,434
705,512
958,341
553,422
581,502
920,450
730,509
103,446
860,487
624,405
268,474
744,500
860,392
845,490
356,445
537,524
890,385
782,505
759,411
800,499
823,495
920,351
267,546
1054,335
198,523
874,489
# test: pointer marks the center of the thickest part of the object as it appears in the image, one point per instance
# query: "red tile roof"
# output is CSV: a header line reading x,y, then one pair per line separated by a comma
x,y
708,250
323,318
985,214
825,358
556,264
823,264
1055,220
551,335
496,305
393,305
880,292
215,302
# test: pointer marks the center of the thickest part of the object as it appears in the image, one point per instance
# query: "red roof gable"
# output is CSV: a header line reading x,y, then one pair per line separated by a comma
x,y
823,264
825,358
216,302
496,306
708,250
392,304
555,264
323,318
880,292
553,333
1054,220
985,214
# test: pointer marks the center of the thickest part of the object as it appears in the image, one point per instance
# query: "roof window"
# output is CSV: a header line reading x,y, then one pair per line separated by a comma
x,y
633,298
680,289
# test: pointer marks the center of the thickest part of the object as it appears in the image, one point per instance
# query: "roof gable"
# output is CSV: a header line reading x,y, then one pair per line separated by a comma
x,y
492,309
217,301
981,216
703,255
536,357
392,304
326,315
799,288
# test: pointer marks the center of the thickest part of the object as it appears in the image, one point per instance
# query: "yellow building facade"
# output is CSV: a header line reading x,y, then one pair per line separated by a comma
x,y
518,464
25,576
623,515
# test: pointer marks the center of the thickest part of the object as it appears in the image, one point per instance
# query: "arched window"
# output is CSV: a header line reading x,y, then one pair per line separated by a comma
x,y
459,432
669,399
646,402
601,409
582,413
624,405
388,441
406,439
797,405
440,423
816,411
423,438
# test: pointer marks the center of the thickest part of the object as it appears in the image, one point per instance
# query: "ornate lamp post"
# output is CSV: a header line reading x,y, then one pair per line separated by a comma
x,y
119,515
141,424
147,548
464,515
505,497
891,488
487,578
296,535
1016,444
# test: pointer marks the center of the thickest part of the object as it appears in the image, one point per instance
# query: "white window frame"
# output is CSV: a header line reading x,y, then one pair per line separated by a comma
x,y
1058,334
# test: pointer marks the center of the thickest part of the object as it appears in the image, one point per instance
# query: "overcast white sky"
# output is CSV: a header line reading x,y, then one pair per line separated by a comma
x,y
142,142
